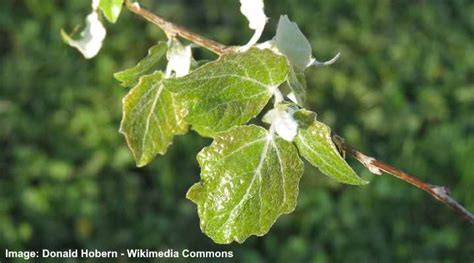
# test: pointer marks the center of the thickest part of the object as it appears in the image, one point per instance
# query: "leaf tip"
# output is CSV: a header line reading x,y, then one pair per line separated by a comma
x,y
142,162
358,182
111,9
194,193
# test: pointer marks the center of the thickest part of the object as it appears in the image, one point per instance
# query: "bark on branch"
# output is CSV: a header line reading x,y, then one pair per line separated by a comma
x,y
172,30
441,193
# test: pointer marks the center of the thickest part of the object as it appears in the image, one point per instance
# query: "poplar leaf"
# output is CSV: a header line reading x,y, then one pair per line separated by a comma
x,y
179,59
282,121
248,179
253,10
151,118
297,83
229,91
90,42
315,145
111,9
95,4
286,127
129,77
292,43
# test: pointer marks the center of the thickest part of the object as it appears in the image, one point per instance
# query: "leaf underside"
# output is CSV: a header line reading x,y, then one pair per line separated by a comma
x,y
230,91
315,145
293,43
151,118
297,84
248,179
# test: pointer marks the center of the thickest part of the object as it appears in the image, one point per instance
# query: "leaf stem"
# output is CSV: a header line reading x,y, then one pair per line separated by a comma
x,y
171,30
440,193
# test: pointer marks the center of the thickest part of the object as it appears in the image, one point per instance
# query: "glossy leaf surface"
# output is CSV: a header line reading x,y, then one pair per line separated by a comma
x,y
147,65
248,179
315,145
230,91
151,118
111,9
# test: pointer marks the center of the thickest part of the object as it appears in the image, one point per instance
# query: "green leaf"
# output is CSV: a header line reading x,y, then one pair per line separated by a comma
x,y
129,77
297,84
305,118
111,9
315,145
229,91
151,117
248,179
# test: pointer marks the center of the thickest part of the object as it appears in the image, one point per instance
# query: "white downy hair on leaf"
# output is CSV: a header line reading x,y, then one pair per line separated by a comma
x,y
326,63
95,4
292,97
291,42
179,59
90,42
282,122
269,117
295,46
270,44
253,10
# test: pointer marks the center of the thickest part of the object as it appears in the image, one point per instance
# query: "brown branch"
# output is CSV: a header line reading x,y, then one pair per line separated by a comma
x,y
375,166
171,29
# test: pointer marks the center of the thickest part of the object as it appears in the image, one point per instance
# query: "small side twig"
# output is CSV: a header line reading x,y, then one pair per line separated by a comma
x,y
441,193
171,29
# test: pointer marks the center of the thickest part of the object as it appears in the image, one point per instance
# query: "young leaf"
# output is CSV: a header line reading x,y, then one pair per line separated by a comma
x,y
129,77
229,91
90,42
315,145
290,41
282,121
253,10
111,9
151,117
305,118
248,179
179,59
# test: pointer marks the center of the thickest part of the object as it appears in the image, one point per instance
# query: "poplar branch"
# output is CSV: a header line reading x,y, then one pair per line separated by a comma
x,y
172,30
440,193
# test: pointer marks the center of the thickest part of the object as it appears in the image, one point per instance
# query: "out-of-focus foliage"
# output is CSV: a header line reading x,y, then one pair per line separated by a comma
x,y
402,91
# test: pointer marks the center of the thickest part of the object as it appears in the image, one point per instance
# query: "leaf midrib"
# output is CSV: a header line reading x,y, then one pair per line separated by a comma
x,y
245,198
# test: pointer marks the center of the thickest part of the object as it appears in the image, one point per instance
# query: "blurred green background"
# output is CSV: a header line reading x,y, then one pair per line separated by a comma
x,y
403,91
